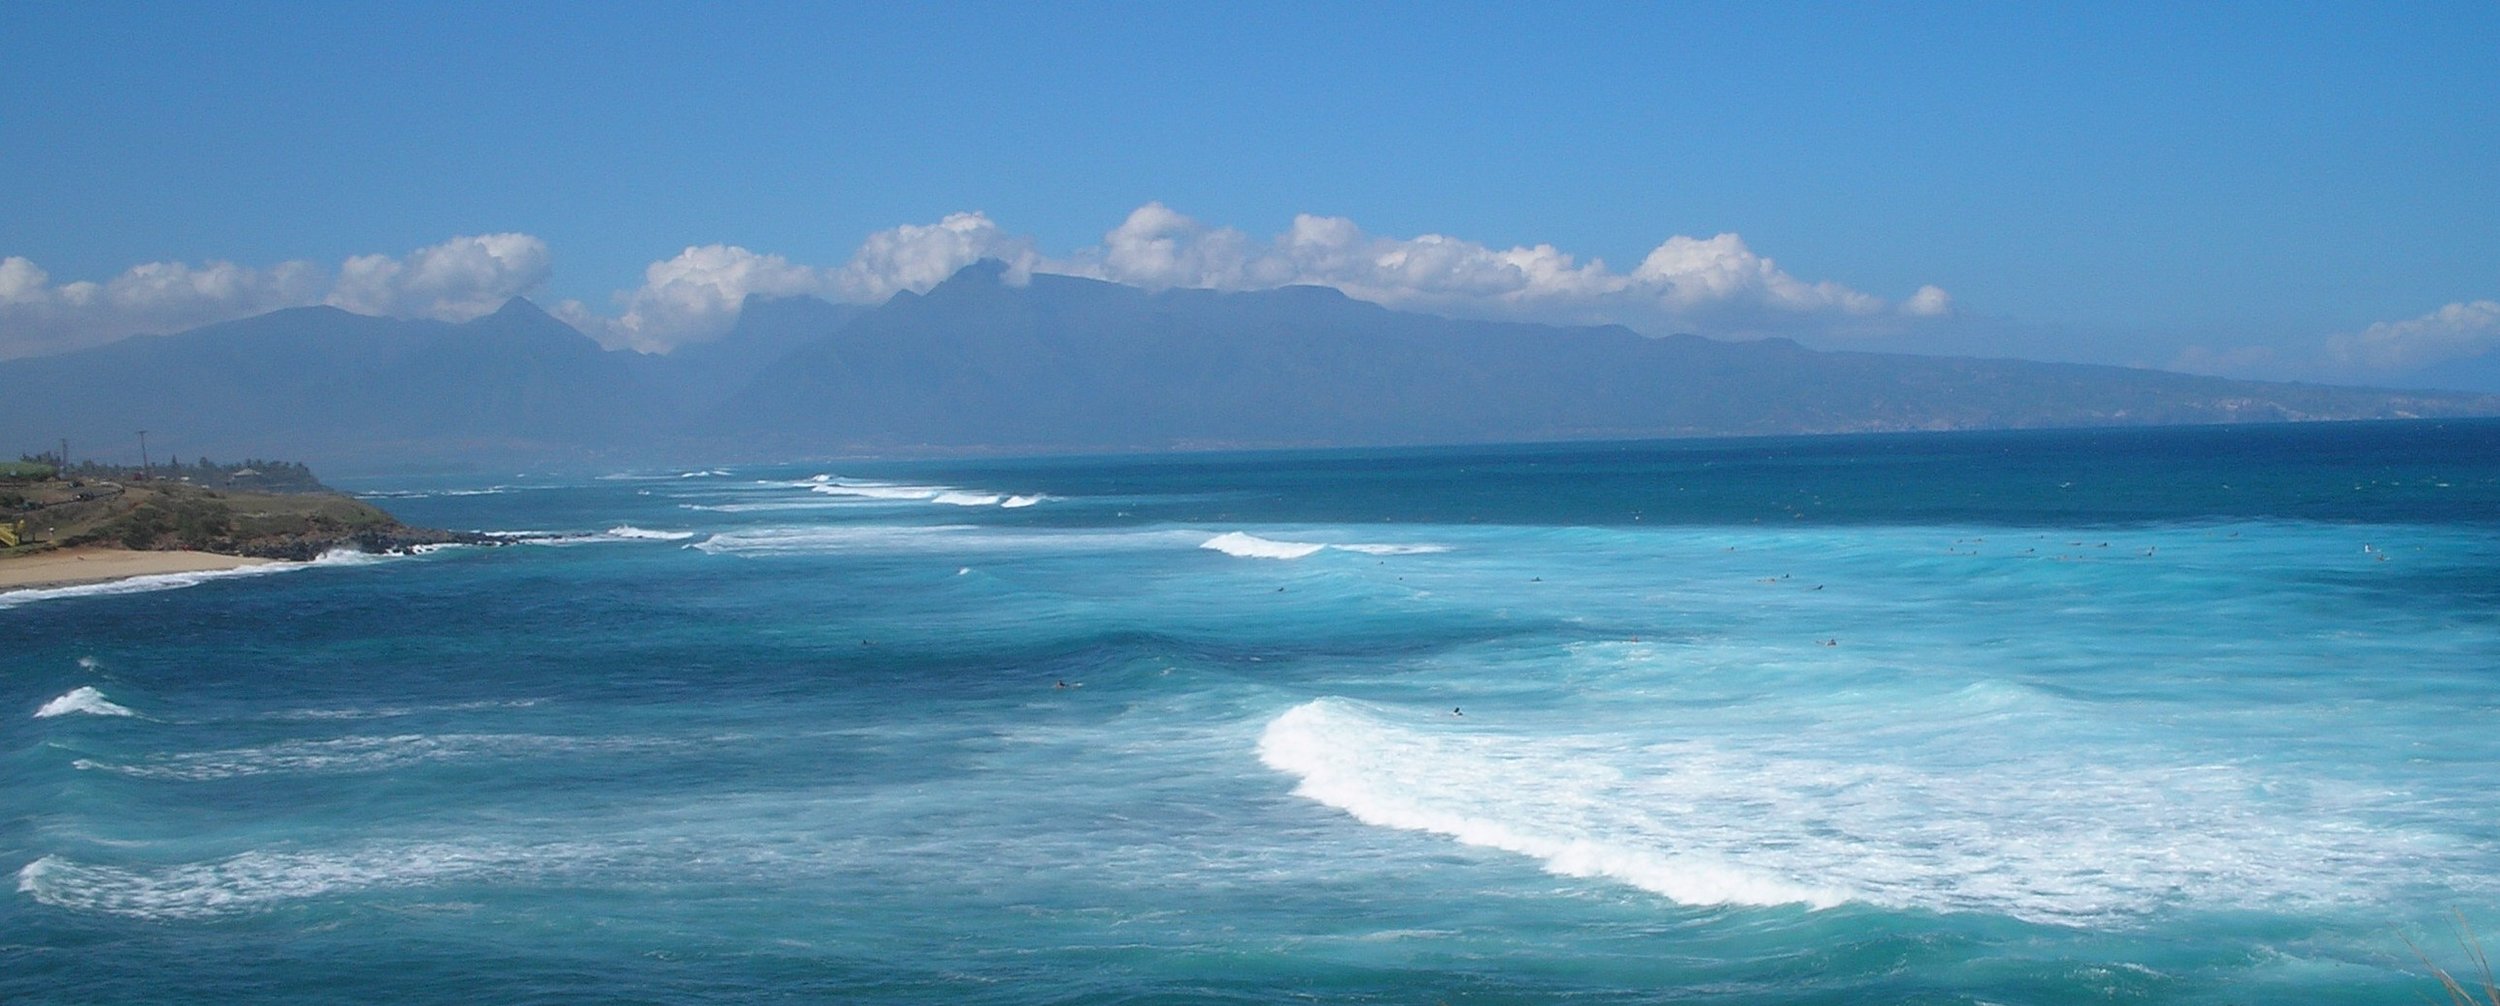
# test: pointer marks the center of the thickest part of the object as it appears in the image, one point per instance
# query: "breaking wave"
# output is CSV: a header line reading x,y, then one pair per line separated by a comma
x,y
1453,786
629,531
939,538
1392,549
84,699
621,532
1703,824
861,490
1247,546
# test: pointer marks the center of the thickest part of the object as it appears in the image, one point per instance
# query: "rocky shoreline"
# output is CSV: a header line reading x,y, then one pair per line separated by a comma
x,y
162,515
380,541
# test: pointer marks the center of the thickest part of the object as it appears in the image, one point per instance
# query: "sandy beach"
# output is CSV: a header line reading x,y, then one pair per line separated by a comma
x,y
70,567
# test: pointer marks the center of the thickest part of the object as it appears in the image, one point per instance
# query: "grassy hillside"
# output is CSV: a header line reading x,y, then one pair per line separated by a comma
x,y
156,515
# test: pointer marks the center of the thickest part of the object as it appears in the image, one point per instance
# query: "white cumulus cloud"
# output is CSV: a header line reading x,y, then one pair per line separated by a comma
x,y
916,257
459,279
695,297
1716,284
38,316
2457,331
2409,352
456,280
1688,273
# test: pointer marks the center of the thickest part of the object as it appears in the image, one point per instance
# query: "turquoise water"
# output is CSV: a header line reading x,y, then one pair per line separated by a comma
x,y
2197,715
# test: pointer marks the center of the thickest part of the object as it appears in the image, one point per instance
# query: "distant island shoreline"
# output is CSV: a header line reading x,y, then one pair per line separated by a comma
x,y
979,365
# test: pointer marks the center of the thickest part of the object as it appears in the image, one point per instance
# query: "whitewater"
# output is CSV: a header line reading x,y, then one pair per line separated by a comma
x,y
2190,715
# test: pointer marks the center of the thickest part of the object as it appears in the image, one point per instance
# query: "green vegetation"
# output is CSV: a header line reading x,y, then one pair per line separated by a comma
x,y
156,516
253,474
203,506
27,470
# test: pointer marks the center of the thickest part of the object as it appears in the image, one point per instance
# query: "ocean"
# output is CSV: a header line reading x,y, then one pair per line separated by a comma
x,y
2195,715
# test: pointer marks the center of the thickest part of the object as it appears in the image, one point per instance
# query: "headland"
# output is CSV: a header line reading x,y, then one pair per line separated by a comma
x,y
71,525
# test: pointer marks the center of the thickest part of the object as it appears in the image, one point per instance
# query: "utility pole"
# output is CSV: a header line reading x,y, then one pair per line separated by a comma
x,y
63,458
143,455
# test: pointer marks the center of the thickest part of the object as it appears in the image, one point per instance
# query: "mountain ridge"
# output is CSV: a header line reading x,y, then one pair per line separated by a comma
x,y
1054,364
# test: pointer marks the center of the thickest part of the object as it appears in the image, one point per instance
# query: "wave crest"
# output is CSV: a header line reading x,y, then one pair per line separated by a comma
x,y
83,700
1246,546
1719,820
900,492
631,532
1250,546
1417,781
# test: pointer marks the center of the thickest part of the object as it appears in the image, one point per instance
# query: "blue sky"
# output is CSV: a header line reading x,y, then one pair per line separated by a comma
x,y
2277,189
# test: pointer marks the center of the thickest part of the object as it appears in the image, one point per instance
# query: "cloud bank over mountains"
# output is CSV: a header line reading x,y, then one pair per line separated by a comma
x,y
459,279
2464,330
1717,286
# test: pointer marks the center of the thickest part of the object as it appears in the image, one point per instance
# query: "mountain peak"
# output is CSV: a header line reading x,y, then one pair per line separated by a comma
x,y
521,309
986,274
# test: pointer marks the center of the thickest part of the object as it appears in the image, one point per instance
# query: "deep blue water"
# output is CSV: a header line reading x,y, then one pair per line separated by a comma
x,y
2187,715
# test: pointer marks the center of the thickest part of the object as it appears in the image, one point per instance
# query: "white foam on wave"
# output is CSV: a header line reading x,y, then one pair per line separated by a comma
x,y
1249,546
83,700
1235,543
877,490
357,754
384,712
886,492
631,532
838,538
769,506
259,879
953,539
1722,822
619,533
495,490
1454,785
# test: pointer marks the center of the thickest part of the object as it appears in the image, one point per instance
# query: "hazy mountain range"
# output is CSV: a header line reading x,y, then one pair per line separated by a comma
x,y
1056,365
